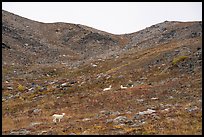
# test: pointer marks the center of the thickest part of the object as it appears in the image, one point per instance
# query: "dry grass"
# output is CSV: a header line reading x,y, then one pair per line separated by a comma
x,y
87,100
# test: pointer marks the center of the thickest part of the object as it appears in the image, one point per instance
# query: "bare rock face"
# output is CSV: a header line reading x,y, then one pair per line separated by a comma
x,y
40,43
44,43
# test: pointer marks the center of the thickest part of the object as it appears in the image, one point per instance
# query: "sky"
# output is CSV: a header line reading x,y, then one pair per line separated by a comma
x,y
112,17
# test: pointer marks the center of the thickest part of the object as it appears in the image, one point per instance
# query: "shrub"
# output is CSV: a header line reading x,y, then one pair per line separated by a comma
x,y
178,59
38,88
21,88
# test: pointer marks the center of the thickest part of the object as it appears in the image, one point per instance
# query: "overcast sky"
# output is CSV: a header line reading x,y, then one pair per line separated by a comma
x,y
112,17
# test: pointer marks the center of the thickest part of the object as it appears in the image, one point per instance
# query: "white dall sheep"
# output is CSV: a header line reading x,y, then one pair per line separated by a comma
x,y
57,116
121,86
105,89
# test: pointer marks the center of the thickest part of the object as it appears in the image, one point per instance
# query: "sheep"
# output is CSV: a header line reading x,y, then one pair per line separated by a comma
x,y
121,86
57,116
105,89
94,65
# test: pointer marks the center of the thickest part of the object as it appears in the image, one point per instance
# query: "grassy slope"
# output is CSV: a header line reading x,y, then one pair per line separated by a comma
x,y
85,98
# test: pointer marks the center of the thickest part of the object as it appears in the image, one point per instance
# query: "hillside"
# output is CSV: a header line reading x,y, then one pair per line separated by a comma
x,y
59,67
